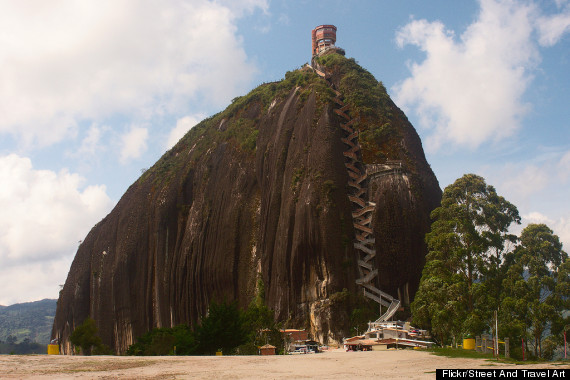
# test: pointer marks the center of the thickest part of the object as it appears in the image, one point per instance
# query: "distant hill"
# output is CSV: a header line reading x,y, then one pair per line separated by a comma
x,y
32,320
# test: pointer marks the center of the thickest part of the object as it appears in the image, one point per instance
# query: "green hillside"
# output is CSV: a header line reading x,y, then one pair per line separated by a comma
x,y
31,320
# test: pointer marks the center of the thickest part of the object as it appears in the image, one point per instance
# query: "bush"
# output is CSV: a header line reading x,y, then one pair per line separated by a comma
x,y
179,340
223,328
85,337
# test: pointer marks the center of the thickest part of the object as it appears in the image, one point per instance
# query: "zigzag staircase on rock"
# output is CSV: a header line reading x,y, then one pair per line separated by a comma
x,y
362,209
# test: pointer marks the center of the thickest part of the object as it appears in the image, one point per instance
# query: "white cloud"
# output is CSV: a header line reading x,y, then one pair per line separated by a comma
x,y
67,62
539,189
523,182
183,125
562,228
44,215
469,90
536,217
133,143
245,6
91,144
33,281
552,28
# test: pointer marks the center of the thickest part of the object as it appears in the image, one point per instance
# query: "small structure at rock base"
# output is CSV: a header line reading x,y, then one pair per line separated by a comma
x,y
53,349
293,335
387,335
267,350
298,342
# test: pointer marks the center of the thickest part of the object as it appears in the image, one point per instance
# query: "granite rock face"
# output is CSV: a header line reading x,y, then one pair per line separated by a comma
x,y
259,190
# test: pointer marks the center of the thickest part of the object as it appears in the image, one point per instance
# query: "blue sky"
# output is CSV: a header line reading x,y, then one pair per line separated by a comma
x,y
93,92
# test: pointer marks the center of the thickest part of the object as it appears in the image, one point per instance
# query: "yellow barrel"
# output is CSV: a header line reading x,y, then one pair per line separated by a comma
x,y
53,349
469,344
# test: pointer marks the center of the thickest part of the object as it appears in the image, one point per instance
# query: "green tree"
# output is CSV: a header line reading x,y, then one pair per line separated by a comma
x,y
223,328
536,288
439,303
260,325
178,340
85,336
460,284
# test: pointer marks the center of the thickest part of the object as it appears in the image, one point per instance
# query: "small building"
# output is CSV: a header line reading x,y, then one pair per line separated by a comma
x,y
359,344
387,333
323,37
293,335
267,350
352,343
384,344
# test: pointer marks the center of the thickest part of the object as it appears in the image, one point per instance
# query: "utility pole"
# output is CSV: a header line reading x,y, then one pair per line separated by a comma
x,y
566,328
496,335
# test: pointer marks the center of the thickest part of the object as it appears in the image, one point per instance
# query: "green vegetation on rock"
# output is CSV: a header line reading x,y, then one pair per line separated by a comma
x,y
238,124
369,101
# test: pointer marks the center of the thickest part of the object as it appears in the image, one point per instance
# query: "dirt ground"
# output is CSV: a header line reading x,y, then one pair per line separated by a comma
x,y
337,364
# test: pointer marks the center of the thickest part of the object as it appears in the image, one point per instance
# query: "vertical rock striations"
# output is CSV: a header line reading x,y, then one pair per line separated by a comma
x,y
259,189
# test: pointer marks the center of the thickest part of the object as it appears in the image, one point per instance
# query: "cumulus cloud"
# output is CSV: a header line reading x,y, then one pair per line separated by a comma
x,y
552,28
44,215
245,6
469,89
34,281
524,182
133,143
67,62
91,143
539,188
183,125
525,179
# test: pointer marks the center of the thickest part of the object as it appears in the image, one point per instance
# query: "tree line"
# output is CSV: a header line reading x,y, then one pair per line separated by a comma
x,y
225,328
475,266
13,347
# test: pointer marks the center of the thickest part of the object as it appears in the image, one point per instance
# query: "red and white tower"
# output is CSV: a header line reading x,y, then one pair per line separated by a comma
x,y
323,37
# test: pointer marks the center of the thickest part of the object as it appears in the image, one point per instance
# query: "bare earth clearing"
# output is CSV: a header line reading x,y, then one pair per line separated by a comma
x,y
336,364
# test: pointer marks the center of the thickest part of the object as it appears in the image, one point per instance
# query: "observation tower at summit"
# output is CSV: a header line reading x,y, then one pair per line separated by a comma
x,y
323,38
